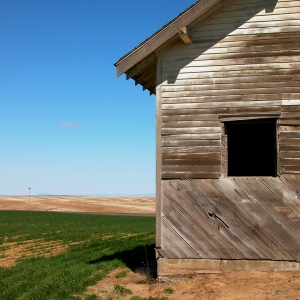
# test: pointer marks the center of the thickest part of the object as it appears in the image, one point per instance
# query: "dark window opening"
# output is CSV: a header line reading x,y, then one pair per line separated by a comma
x,y
252,148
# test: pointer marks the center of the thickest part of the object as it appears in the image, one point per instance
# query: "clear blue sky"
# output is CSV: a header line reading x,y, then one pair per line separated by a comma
x,y
68,125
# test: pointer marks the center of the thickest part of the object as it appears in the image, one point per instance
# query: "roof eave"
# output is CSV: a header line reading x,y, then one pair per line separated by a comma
x,y
166,33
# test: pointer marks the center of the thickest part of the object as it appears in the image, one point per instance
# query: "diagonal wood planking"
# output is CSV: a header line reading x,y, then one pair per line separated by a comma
x,y
231,218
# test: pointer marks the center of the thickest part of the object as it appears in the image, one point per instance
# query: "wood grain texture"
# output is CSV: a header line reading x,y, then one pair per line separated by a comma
x,y
243,60
289,145
158,155
232,218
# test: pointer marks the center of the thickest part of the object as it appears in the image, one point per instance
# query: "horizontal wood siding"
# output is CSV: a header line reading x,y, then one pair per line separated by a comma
x,y
231,218
243,60
289,145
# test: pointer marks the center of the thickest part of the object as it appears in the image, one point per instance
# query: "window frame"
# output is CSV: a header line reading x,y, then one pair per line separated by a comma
x,y
225,119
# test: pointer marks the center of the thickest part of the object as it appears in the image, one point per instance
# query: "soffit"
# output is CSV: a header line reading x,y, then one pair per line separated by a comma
x,y
140,63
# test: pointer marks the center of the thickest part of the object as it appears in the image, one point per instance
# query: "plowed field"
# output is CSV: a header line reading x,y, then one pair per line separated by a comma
x,y
125,205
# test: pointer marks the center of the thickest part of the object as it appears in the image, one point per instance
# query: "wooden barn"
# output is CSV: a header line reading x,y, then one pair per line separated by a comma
x,y
226,74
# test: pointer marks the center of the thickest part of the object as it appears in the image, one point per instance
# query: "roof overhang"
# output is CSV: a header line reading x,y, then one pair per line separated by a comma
x,y
140,63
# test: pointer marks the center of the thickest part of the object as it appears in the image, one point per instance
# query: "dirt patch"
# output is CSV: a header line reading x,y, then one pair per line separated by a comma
x,y
133,282
225,286
11,251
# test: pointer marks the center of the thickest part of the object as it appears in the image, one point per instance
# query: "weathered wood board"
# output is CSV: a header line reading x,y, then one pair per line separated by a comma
x,y
231,218
244,60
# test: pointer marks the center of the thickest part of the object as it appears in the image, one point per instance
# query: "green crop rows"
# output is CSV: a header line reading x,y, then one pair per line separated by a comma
x,y
57,255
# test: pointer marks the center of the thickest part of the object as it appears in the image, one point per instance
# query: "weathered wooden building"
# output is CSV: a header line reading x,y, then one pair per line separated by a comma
x,y
226,74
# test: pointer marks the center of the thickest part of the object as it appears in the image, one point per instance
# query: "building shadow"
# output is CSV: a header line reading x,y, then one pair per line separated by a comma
x,y
137,259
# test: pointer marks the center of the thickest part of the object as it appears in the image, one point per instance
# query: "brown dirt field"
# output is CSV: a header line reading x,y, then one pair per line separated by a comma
x,y
226,286
130,205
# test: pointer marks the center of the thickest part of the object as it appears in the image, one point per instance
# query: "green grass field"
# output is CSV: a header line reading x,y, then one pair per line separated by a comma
x,y
57,256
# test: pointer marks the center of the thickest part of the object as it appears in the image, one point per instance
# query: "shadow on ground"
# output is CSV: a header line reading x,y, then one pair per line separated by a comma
x,y
139,258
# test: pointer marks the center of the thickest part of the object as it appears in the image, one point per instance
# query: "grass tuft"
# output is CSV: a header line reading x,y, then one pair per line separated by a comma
x,y
118,289
121,274
169,290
